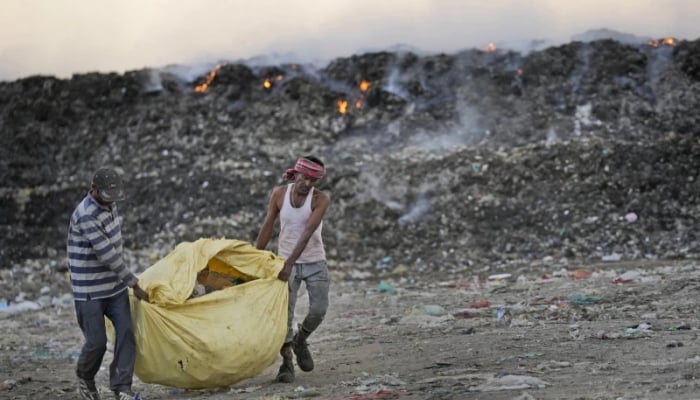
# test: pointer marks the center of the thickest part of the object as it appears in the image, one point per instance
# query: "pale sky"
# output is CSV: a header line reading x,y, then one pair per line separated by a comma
x,y
62,37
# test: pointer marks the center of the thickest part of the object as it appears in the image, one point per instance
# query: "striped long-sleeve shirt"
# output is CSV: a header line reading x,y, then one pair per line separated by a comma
x,y
97,269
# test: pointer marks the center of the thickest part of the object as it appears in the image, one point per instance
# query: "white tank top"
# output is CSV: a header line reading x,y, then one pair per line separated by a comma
x,y
292,224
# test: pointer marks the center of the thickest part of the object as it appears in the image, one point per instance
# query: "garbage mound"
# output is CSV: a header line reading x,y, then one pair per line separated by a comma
x,y
439,161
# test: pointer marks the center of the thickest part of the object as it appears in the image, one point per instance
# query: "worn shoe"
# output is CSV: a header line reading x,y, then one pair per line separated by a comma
x,y
301,350
126,396
87,390
286,372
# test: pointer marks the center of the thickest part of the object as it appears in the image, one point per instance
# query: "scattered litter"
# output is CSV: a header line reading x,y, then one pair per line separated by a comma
x,y
637,329
480,304
384,263
612,257
468,313
47,354
684,326
510,382
525,356
433,310
582,274
16,308
627,277
379,394
553,365
386,288
585,300
500,313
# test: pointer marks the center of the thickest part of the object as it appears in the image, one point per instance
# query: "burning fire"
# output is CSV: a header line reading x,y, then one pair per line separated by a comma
x,y
342,106
207,80
364,85
667,41
268,82
490,48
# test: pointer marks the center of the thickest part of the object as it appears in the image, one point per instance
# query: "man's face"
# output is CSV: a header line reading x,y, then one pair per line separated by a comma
x,y
304,183
98,196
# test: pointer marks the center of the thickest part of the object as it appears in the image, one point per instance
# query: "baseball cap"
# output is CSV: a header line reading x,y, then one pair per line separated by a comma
x,y
109,183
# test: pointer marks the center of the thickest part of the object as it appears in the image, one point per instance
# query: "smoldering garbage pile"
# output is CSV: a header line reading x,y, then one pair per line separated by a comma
x,y
439,162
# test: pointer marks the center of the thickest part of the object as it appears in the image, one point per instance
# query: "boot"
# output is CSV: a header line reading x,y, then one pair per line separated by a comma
x,y
286,372
301,349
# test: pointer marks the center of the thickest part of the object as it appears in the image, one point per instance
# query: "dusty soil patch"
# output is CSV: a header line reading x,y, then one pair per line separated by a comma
x,y
568,338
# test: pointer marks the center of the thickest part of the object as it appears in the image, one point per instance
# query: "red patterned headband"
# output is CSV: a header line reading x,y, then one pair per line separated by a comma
x,y
306,167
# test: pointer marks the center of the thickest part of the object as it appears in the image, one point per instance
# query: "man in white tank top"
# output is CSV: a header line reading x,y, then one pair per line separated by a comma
x,y
300,208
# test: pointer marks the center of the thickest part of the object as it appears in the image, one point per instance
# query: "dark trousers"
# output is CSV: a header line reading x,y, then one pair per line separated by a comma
x,y
91,314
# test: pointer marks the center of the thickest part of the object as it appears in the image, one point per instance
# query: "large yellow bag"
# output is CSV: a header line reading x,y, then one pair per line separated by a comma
x,y
219,338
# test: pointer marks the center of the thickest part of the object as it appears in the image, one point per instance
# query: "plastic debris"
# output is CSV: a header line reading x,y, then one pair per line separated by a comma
x,y
384,263
480,304
509,382
585,300
500,313
627,277
582,273
612,257
631,217
386,288
22,306
434,310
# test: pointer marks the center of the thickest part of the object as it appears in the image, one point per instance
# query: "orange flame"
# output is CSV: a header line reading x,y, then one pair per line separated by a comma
x,y
207,80
267,84
342,106
364,85
490,48
667,41
280,77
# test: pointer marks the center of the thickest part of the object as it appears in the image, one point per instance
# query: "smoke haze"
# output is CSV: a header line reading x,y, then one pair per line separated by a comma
x,y
62,37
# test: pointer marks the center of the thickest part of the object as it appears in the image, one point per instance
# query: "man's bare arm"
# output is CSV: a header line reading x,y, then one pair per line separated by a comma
x,y
273,211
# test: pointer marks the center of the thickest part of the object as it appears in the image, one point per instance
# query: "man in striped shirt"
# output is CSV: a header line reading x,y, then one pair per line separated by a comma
x,y
100,279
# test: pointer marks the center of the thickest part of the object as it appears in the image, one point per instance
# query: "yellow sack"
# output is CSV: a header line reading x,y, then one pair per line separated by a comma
x,y
219,338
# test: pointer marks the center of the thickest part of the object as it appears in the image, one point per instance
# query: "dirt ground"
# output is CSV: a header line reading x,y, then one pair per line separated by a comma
x,y
597,331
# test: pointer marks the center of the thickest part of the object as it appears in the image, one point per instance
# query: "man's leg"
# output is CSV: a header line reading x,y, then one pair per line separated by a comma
x,y
286,371
121,370
91,320
317,285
